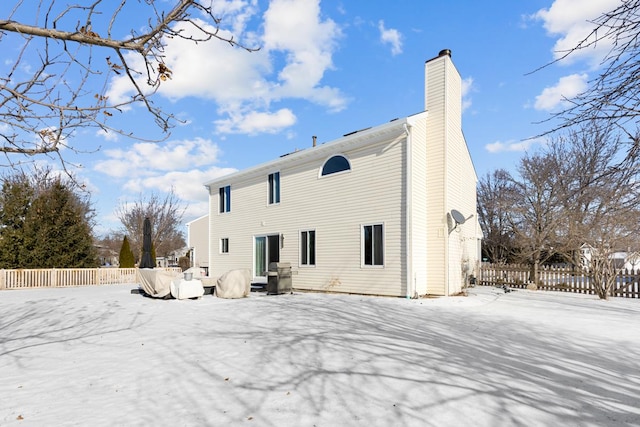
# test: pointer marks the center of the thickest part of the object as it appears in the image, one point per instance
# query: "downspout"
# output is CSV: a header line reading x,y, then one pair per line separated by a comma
x,y
408,217
209,228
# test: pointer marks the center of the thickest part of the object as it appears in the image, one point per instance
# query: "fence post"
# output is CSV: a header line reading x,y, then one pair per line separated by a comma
x,y
3,279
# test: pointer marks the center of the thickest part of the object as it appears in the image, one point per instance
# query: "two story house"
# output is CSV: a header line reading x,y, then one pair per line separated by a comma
x,y
388,210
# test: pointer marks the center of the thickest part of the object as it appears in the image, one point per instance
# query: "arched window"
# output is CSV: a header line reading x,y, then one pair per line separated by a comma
x,y
335,164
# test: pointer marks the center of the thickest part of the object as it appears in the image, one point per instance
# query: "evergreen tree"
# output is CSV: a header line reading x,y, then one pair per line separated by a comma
x,y
57,230
126,259
15,199
44,223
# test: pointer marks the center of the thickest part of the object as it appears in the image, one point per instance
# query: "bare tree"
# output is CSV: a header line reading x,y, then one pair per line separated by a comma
x,y
602,206
165,215
536,210
494,206
583,189
614,96
64,55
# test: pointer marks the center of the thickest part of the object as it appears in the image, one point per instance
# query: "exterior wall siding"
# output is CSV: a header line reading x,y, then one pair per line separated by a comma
x,y
436,166
461,185
408,184
419,204
198,236
451,182
335,206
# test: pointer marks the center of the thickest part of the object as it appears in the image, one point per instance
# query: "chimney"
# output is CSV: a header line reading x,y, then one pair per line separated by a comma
x,y
314,139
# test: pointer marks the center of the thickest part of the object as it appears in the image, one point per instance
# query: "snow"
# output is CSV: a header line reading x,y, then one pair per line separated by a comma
x,y
102,356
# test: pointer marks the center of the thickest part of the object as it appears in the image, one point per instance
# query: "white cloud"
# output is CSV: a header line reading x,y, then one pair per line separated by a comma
x,y
297,46
294,28
569,21
254,122
467,88
566,88
392,37
183,165
511,146
187,184
148,159
107,135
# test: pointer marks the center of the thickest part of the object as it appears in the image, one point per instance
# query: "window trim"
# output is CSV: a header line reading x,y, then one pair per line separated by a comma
x,y
273,188
363,251
306,247
224,199
224,246
322,175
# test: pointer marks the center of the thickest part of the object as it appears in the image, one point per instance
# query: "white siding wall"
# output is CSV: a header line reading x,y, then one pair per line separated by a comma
x,y
419,203
461,187
436,166
335,206
198,236
451,181
410,199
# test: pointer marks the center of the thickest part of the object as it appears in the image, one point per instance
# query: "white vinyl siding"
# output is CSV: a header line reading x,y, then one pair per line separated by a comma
x,y
335,207
198,240
410,192
451,182
419,202
435,174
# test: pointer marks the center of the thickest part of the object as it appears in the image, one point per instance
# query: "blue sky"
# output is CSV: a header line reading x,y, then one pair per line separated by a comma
x,y
330,67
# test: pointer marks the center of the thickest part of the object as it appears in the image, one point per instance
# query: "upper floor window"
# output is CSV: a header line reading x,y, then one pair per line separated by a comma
x,y
335,164
274,188
225,199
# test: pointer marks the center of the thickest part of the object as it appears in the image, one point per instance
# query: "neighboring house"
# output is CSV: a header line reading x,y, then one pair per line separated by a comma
x,y
624,260
389,210
107,257
198,241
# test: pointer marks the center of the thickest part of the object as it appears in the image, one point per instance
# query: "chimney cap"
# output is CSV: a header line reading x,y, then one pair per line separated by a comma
x,y
444,52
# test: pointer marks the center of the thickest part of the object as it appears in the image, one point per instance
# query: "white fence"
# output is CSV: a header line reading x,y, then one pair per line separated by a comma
x,y
557,279
64,277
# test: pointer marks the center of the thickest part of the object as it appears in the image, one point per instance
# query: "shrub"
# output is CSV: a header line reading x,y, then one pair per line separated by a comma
x,y
126,258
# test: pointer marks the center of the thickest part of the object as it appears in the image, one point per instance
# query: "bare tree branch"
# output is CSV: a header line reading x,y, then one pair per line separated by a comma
x,y
59,77
613,96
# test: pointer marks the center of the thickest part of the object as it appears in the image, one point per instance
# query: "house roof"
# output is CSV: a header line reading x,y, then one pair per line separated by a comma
x,y
348,141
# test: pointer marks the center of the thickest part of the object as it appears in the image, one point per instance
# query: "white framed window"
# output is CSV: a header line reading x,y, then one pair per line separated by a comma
x,y
274,188
225,199
373,245
335,164
308,248
224,245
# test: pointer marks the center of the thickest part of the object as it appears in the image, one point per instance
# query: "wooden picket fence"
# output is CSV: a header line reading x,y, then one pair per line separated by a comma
x,y
66,277
563,279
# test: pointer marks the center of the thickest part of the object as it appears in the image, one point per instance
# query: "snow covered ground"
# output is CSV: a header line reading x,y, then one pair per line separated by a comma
x,y
101,356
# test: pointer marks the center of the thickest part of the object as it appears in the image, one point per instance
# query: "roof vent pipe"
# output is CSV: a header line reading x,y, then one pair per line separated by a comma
x,y
314,139
444,52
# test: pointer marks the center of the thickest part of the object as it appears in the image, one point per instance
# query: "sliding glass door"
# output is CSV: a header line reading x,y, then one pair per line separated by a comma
x,y
266,250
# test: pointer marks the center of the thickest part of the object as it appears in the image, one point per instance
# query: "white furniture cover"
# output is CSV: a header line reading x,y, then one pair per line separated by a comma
x,y
234,284
183,289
